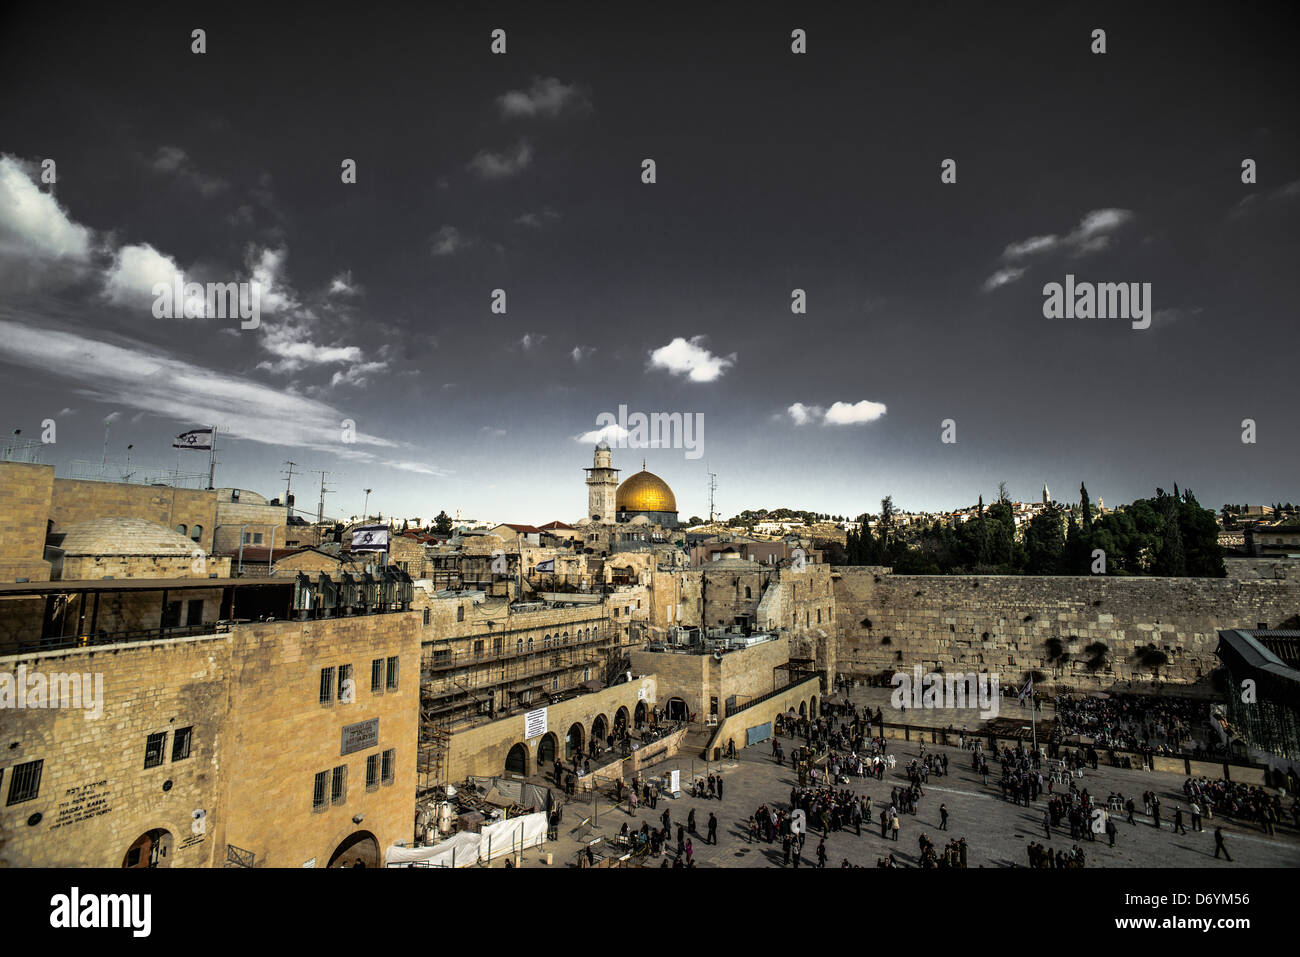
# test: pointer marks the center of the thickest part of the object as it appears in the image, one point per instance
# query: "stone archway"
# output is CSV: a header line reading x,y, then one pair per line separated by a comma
x,y
620,719
150,849
546,749
358,849
812,707
803,709
517,760
573,740
599,730
640,714
677,710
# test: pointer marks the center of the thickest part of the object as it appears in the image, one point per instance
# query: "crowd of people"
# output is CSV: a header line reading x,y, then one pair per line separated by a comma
x,y
1146,723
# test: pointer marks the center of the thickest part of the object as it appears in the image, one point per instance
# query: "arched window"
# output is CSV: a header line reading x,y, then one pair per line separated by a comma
x,y
565,639
748,593
519,647
196,533
181,530
530,645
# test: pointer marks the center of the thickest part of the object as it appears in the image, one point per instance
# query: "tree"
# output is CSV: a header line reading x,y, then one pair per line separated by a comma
x,y
442,524
1045,542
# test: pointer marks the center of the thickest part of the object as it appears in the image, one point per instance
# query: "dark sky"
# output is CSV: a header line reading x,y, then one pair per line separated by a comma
x,y
775,172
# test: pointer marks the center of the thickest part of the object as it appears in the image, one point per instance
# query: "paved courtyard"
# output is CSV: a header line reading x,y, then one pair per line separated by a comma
x,y
996,831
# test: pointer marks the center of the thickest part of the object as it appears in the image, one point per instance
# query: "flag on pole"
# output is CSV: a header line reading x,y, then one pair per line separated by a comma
x,y
1027,690
546,566
373,538
200,439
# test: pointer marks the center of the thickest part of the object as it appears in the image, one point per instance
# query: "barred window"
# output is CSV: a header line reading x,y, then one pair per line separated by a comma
x,y
181,742
390,759
345,685
153,749
377,676
392,673
427,612
327,686
339,784
318,801
372,772
25,784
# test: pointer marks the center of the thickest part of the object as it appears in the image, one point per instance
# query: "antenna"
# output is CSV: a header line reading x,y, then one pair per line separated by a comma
x,y
288,484
713,486
320,509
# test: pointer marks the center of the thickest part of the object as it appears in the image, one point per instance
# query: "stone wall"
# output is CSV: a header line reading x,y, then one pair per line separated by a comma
x,y
1002,623
700,679
77,500
260,734
25,492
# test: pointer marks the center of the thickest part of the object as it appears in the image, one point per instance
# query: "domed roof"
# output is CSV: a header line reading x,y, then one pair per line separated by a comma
x,y
645,492
124,536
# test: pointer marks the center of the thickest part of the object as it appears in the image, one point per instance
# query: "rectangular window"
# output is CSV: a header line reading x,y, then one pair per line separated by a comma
x,y
347,692
377,676
460,612
327,686
372,772
318,794
339,784
153,749
25,784
427,618
392,673
478,649
181,742
498,645
194,613
390,759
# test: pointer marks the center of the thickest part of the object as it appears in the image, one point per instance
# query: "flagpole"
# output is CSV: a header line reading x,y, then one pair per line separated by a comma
x,y
212,458
1033,725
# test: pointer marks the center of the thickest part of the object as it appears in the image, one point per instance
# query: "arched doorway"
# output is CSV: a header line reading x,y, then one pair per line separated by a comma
x,y
620,720
573,740
546,750
517,760
677,710
599,730
151,849
639,715
812,708
358,849
803,709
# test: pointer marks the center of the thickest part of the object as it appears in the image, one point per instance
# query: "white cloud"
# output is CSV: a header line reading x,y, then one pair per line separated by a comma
x,y
691,359
546,97
1002,277
1093,234
32,224
66,412
357,375
538,219
174,160
856,413
803,414
420,468
582,352
613,434
531,340
448,241
490,165
136,268
144,379
342,285
266,268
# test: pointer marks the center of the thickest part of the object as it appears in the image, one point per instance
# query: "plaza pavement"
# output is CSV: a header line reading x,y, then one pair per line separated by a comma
x,y
997,832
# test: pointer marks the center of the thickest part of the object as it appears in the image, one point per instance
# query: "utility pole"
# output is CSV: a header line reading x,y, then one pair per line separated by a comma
x,y
320,509
365,510
288,484
713,487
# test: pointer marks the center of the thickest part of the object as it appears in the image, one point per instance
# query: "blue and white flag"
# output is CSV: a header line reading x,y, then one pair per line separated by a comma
x,y
373,538
546,566
194,439
1027,690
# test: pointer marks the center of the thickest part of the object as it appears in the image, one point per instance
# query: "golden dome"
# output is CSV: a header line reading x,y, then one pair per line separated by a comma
x,y
645,492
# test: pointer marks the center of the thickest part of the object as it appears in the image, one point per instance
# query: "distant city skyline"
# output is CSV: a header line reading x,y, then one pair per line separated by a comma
x,y
776,174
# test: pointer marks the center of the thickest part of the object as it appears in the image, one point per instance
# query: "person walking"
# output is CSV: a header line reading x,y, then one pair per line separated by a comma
x,y
1178,821
1196,817
821,853
690,821
1220,846
713,829
894,826
785,849
1047,824
690,852
719,787
943,817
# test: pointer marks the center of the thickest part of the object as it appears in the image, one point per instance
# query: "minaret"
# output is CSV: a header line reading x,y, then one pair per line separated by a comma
x,y
602,486
1047,496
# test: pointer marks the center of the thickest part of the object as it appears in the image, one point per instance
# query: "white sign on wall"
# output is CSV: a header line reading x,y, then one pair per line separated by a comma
x,y
535,723
640,694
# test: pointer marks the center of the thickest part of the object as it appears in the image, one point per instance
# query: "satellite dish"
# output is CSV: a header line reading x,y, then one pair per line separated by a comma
x,y
717,656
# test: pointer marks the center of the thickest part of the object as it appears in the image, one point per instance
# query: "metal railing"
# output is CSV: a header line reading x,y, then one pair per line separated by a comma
x,y
58,642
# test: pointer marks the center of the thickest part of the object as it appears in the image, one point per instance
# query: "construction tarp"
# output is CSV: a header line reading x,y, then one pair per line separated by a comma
x,y
467,848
